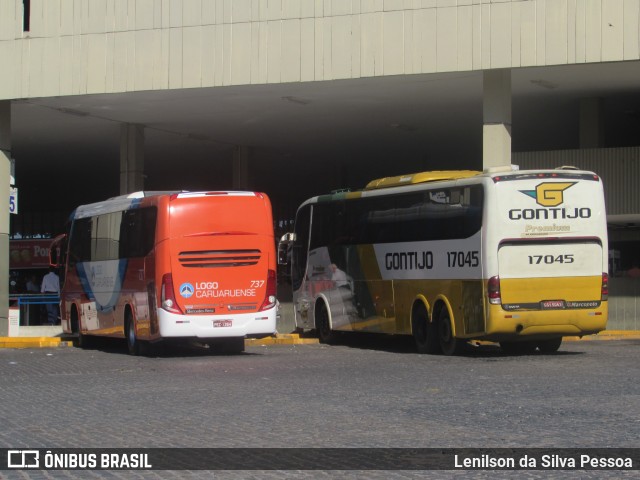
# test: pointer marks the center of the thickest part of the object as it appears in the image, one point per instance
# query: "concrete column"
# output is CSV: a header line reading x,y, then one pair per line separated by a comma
x,y
5,171
131,158
591,123
241,156
496,131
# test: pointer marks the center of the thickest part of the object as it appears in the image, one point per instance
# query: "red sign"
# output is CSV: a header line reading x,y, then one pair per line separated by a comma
x,y
29,253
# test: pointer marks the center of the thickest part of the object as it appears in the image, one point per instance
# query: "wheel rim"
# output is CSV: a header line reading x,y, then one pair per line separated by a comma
x,y
449,344
445,330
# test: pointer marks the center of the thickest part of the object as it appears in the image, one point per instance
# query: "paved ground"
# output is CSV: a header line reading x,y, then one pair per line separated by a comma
x,y
365,392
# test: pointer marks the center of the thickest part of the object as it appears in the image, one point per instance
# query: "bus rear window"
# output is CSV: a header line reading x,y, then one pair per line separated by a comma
x,y
231,215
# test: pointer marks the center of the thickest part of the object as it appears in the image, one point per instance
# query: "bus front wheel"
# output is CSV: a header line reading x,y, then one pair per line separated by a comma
x,y
133,344
83,340
449,344
323,326
549,346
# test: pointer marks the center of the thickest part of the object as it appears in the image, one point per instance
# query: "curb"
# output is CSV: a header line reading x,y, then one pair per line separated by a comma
x,y
282,339
34,342
53,342
608,335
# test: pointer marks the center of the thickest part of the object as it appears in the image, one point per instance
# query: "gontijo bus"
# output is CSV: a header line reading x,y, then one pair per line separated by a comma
x,y
161,266
516,257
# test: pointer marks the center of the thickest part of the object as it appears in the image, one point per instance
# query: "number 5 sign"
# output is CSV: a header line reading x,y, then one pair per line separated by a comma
x,y
13,200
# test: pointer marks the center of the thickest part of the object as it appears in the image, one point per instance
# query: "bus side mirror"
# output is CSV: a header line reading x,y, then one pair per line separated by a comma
x,y
284,248
55,251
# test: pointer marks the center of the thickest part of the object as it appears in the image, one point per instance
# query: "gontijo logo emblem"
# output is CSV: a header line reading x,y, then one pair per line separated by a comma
x,y
549,194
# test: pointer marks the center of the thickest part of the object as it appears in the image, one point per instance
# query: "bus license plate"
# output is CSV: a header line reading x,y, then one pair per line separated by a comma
x,y
552,304
222,323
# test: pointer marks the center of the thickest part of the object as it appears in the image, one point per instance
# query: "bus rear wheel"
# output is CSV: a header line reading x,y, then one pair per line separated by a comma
x,y
549,346
449,344
423,332
323,326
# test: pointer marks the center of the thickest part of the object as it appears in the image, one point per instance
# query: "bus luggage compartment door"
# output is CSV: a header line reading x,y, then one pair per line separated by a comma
x,y
550,275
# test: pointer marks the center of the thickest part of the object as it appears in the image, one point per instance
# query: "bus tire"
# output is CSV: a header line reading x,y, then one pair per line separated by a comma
x,y
449,344
323,326
231,346
83,341
423,333
549,346
133,344
518,348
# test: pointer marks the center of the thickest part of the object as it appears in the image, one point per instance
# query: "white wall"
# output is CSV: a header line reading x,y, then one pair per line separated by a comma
x,y
619,169
106,46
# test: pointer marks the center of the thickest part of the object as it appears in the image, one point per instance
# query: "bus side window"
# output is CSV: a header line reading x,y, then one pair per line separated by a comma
x,y
128,241
106,236
80,241
137,232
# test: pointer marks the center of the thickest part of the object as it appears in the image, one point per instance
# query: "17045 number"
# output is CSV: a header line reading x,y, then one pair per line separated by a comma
x,y
550,259
463,259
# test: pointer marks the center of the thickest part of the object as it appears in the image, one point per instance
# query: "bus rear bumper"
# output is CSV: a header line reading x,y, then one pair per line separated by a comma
x,y
505,325
252,325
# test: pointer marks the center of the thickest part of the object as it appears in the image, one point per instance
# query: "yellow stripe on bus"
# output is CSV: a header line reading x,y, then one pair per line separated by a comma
x,y
533,290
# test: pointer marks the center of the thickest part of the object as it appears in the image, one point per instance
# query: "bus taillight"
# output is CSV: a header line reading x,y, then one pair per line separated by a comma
x,y
604,295
168,296
270,295
493,289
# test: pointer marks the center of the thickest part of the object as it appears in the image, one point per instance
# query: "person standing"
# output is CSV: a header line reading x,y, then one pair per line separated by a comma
x,y
51,285
32,285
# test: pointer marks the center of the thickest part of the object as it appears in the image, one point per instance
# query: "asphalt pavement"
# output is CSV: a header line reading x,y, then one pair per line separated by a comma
x,y
365,392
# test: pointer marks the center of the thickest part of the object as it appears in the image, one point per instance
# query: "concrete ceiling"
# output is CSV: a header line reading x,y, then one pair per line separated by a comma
x,y
306,138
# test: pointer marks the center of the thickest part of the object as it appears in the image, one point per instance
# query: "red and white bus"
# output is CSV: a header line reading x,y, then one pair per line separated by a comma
x,y
154,266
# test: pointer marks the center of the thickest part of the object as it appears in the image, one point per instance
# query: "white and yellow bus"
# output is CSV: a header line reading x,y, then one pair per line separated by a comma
x,y
515,257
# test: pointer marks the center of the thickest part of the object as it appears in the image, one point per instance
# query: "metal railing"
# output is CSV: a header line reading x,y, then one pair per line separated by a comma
x,y
30,304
